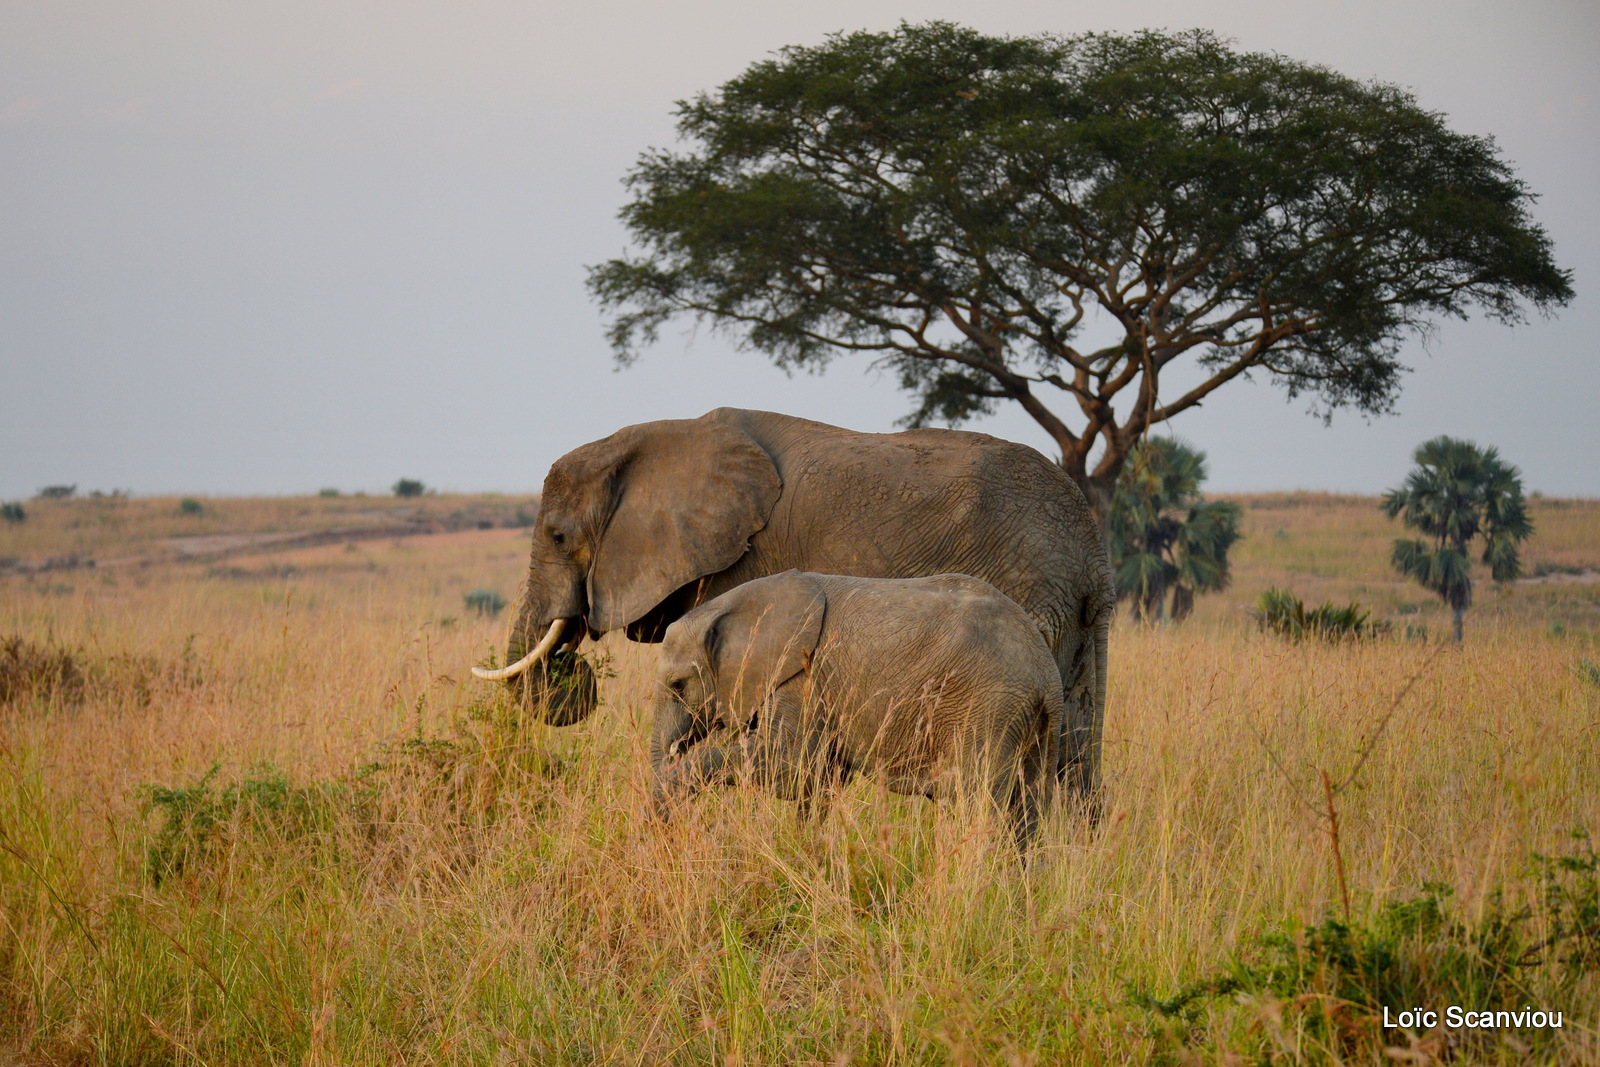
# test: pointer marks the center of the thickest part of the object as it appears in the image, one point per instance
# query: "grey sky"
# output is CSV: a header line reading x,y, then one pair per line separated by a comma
x,y
272,247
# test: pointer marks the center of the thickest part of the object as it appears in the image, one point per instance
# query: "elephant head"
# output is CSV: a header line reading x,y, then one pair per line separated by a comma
x,y
624,524
721,661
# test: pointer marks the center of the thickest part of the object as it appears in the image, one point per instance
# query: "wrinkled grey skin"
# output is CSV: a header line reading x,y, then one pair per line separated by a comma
x,y
941,686
637,528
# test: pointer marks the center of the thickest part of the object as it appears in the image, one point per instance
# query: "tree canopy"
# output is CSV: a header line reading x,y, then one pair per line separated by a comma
x,y
1057,221
1456,493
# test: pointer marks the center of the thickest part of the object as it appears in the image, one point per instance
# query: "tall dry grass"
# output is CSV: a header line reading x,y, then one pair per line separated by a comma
x,y
388,865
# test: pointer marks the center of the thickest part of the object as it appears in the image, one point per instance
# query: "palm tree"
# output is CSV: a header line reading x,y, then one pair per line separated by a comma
x,y
1456,492
1164,534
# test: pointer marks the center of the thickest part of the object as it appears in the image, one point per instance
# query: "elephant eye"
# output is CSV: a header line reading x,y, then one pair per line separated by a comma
x,y
558,537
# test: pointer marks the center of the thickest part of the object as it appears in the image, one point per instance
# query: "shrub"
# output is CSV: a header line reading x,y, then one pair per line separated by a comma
x,y
197,818
1332,980
329,492
57,492
1281,612
190,506
1588,670
13,512
484,601
48,672
408,487
27,669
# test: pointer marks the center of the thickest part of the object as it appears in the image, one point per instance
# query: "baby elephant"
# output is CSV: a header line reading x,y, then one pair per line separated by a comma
x,y
940,685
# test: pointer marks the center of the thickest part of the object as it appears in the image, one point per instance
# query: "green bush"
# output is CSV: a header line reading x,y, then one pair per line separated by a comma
x,y
57,492
409,487
1588,670
190,506
484,601
13,512
199,819
1281,612
1332,980
330,492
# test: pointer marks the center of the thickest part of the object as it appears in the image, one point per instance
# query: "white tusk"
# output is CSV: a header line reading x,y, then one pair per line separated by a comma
x,y
539,652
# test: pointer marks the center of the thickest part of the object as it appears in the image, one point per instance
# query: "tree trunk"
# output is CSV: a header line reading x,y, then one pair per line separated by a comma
x,y
1455,622
1182,602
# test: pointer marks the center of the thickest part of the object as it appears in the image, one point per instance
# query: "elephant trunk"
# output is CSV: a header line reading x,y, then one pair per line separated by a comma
x,y
673,726
561,691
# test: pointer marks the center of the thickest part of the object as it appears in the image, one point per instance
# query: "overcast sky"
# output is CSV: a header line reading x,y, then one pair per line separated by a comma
x,y
272,247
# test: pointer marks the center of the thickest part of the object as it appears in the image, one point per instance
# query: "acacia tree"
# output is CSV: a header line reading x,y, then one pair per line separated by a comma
x,y
1059,221
1456,493
1165,536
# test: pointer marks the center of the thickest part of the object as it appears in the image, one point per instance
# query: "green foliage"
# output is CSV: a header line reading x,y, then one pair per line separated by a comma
x,y
484,601
1456,493
1333,979
57,492
204,823
198,820
190,506
409,487
13,512
1164,534
1281,612
956,204
328,494
1588,670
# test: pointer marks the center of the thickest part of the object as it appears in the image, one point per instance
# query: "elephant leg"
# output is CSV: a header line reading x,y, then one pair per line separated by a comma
x,y
1083,678
798,761
1035,783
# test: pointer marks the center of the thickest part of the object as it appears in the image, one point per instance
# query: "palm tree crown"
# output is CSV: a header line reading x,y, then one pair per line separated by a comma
x,y
1164,533
1456,493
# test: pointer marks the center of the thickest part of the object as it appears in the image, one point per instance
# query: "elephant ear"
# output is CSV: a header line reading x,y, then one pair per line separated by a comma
x,y
766,637
688,496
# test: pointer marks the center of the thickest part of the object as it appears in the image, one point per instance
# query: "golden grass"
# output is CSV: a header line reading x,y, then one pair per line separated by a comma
x,y
440,882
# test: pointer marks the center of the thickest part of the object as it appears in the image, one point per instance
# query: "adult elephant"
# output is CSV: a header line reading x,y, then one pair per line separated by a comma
x,y
638,528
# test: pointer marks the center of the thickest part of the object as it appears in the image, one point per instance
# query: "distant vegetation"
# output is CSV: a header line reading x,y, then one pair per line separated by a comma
x,y
190,506
1281,612
409,487
328,493
57,492
484,601
1457,493
13,512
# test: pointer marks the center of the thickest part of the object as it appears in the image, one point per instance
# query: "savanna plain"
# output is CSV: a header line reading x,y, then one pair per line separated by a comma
x,y
257,810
